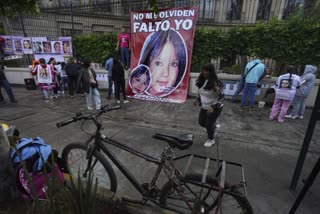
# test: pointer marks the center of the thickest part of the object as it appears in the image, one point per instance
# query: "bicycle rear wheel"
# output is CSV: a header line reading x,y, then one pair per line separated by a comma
x,y
187,200
74,156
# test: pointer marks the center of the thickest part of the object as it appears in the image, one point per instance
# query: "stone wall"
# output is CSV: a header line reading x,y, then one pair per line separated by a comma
x,y
16,76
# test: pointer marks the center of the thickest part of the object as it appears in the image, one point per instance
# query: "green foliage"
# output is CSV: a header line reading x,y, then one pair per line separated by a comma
x,y
235,69
295,40
11,7
95,47
82,195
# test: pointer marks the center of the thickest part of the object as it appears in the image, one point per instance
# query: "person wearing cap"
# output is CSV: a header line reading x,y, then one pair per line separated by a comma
x,y
5,84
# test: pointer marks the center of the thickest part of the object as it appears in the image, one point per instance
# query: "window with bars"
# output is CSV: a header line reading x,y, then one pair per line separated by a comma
x,y
290,7
234,8
206,9
264,7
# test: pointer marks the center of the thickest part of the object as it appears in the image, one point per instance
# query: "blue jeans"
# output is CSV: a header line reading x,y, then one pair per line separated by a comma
x,y
110,83
64,81
125,57
240,86
248,90
5,84
93,95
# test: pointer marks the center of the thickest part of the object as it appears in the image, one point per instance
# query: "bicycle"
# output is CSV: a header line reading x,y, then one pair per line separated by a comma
x,y
183,192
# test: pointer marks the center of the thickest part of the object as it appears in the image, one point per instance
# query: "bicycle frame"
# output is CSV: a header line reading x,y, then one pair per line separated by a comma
x,y
98,143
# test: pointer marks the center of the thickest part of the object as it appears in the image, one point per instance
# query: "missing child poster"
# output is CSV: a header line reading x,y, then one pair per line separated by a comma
x,y
161,53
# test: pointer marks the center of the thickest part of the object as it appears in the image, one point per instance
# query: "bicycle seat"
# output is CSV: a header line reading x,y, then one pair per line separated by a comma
x,y
182,141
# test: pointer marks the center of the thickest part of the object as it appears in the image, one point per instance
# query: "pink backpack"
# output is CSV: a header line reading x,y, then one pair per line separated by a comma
x,y
39,180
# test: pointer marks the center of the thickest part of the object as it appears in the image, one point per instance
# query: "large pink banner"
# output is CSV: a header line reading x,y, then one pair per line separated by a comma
x,y
161,52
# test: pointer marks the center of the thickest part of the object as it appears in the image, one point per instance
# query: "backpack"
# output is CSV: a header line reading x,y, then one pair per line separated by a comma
x,y
34,151
39,180
42,166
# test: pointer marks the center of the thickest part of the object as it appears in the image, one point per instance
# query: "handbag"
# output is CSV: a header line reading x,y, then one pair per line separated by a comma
x,y
94,85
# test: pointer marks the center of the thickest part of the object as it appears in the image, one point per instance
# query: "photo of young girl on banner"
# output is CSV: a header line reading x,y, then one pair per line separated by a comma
x,y
140,79
165,54
161,50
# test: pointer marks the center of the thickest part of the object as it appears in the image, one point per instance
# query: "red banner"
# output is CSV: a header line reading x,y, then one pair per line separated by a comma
x,y
161,52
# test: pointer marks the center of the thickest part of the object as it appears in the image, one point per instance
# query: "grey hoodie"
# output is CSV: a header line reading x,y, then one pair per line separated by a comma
x,y
308,79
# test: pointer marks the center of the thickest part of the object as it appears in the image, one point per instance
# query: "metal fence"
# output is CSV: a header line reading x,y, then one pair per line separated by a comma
x,y
73,17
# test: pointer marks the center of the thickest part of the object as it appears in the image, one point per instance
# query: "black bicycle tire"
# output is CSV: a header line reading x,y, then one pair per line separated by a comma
x,y
104,162
242,201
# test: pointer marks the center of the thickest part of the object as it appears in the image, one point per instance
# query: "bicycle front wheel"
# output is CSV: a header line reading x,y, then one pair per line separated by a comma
x,y
75,158
192,198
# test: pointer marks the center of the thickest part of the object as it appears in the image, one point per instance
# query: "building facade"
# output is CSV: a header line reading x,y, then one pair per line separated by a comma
x,y
83,17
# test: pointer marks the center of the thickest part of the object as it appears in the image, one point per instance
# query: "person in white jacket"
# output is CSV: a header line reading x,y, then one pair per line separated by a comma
x,y
285,89
307,83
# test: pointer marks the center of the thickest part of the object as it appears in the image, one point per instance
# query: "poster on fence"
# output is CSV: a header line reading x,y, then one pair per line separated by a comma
x,y
231,86
17,44
27,47
7,45
161,53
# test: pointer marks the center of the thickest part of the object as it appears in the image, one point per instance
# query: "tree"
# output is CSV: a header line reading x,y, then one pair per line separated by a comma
x,y
12,7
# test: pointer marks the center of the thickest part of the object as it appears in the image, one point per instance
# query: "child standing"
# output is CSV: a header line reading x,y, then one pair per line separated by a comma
x,y
46,78
285,90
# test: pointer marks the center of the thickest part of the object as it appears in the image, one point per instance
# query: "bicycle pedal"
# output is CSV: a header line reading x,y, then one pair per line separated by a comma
x,y
154,191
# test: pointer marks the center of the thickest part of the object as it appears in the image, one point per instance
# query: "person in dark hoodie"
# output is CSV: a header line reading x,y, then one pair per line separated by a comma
x,y
307,83
72,70
5,84
119,81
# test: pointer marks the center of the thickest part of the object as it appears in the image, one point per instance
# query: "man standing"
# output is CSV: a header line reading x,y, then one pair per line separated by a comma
x,y
253,72
4,83
124,43
109,65
72,69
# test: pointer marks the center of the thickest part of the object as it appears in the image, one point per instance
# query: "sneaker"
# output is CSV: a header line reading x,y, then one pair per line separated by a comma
x,y
288,116
125,101
62,92
46,100
251,110
118,101
209,143
14,101
98,107
241,109
90,108
294,117
216,130
300,117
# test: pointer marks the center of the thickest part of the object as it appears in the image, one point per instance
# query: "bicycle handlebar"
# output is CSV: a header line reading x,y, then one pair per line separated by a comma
x,y
80,116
